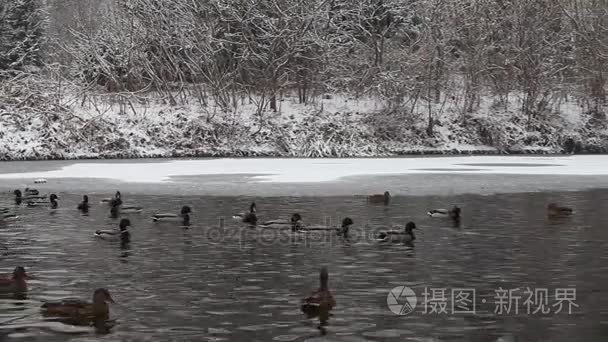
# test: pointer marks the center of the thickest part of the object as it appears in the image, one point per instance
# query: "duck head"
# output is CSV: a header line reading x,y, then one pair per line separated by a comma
x,y
117,195
323,278
295,218
455,213
114,210
17,193
19,273
186,210
347,222
85,199
124,223
409,227
53,198
387,196
252,207
101,299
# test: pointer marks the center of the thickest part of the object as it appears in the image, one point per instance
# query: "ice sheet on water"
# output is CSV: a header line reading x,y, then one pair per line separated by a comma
x,y
282,170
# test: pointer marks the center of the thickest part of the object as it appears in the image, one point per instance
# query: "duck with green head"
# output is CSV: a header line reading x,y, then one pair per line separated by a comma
x,y
122,232
19,197
395,236
453,213
52,200
183,216
6,215
343,230
294,223
249,217
116,200
84,205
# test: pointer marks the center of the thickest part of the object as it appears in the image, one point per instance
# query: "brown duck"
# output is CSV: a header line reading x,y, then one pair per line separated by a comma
x,y
554,210
377,198
81,310
16,282
321,301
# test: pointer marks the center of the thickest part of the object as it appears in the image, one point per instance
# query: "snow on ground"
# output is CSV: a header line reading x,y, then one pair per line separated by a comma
x,y
278,170
144,125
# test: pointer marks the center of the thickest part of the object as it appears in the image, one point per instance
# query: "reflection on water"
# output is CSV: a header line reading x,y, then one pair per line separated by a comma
x,y
220,280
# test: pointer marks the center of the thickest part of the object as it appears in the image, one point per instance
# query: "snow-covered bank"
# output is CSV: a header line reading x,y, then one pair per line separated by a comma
x,y
38,124
323,170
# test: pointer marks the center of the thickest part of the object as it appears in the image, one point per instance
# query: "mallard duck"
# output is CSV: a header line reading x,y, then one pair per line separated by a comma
x,y
294,222
346,223
7,216
52,200
114,210
184,215
384,198
31,192
122,232
554,210
407,235
84,205
19,198
249,217
130,209
321,301
79,309
116,200
453,213
16,282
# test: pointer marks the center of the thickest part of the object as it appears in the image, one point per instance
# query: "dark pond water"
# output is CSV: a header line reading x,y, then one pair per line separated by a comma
x,y
240,284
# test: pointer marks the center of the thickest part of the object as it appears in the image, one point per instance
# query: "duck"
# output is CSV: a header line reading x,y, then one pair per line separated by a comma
x,y
346,223
31,192
116,200
378,198
52,199
321,301
19,198
453,213
294,222
84,205
7,216
398,236
114,211
184,215
131,209
249,217
123,232
16,282
554,210
79,309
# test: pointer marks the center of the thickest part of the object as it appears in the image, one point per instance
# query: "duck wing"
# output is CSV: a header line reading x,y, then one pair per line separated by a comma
x,y
65,307
275,222
164,215
250,218
438,212
131,208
